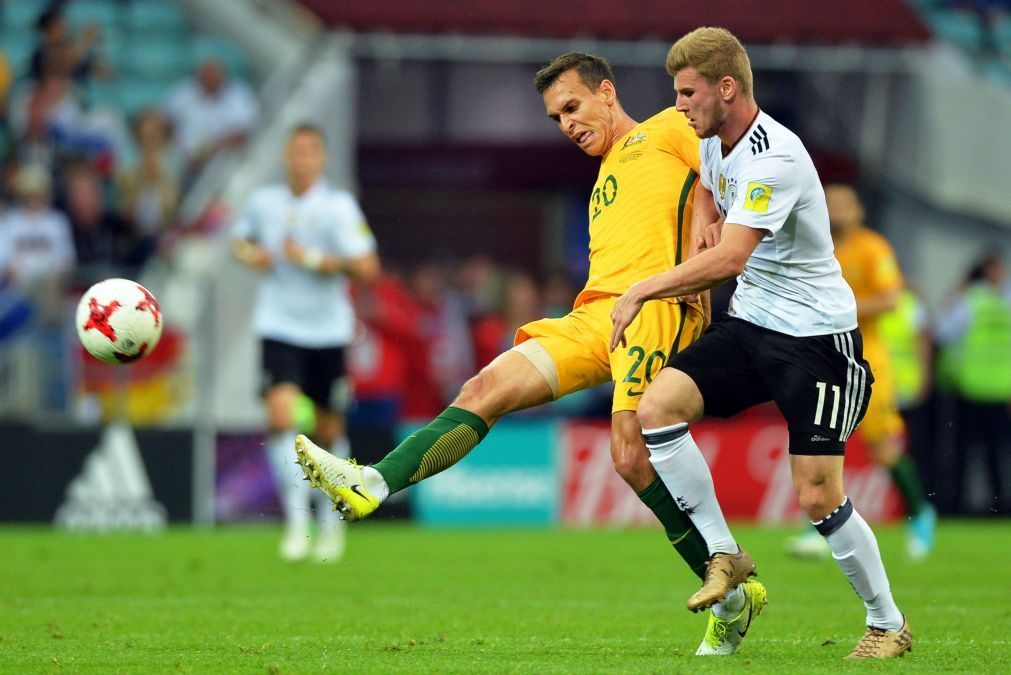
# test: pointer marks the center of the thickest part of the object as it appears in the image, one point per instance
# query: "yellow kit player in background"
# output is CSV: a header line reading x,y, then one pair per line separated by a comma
x,y
641,218
872,271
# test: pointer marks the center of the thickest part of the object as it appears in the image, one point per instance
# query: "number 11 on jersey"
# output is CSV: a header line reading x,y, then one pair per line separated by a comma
x,y
822,387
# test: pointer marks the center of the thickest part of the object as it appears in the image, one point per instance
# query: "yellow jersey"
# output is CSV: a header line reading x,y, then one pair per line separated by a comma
x,y
869,266
641,206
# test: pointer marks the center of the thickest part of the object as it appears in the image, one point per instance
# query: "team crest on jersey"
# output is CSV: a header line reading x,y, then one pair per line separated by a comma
x,y
758,197
632,141
731,193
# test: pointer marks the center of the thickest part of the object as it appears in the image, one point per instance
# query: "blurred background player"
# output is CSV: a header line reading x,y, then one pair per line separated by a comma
x,y
640,218
870,267
307,239
976,333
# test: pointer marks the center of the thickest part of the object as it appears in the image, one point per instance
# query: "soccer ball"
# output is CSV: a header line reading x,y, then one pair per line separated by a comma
x,y
118,321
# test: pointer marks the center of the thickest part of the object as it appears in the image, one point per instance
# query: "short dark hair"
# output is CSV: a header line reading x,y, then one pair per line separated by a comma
x,y
307,128
592,70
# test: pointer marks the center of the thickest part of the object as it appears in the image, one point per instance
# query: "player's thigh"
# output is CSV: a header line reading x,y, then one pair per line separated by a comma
x,y
822,386
514,380
661,330
570,351
721,366
282,377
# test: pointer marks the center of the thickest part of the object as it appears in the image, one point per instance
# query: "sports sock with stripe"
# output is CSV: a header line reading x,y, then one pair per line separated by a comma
x,y
293,493
907,482
856,551
445,441
680,464
681,532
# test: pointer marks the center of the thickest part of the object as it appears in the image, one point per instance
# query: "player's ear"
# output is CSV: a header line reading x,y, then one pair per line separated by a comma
x,y
607,92
728,88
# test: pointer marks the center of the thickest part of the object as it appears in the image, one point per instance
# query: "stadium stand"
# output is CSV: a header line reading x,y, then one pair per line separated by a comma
x,y
888,22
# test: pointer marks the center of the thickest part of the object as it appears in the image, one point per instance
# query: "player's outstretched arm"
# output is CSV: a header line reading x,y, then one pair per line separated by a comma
x,y
700,273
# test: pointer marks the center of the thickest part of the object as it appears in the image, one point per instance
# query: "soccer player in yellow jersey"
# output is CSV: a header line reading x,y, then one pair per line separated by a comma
x,y
641,217
872,271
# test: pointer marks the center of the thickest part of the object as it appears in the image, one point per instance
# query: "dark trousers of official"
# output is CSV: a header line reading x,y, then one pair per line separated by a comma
x,y
982,427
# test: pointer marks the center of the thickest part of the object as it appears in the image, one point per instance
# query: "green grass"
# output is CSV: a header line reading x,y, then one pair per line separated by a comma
x,y
412,600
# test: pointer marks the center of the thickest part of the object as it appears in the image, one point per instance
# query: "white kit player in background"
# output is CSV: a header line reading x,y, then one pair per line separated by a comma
x,y
791,337
307,239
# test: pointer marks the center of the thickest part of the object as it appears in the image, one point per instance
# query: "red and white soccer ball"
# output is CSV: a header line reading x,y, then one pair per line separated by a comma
x,y
119,321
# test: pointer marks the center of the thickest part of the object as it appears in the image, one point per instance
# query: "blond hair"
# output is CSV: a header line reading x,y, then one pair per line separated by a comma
x,y
715,53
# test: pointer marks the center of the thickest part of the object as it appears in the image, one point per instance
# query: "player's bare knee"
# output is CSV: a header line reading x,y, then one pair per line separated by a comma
x,y
818,498
672,399
484,395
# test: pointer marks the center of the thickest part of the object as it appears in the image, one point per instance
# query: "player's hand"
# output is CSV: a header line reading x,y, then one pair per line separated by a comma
x,y
626,308
294,253
711,235
255,256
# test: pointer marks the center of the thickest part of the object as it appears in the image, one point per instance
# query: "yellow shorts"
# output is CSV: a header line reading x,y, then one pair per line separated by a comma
x,y
578,344
882,420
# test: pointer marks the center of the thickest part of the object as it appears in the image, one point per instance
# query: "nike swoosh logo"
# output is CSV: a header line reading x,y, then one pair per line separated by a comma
x,y
354,488
633,393
751,610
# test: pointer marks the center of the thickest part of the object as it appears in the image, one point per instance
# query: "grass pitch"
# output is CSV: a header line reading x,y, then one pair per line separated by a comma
x,y
411,600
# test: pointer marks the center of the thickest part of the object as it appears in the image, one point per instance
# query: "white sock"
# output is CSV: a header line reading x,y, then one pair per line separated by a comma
x,y
683,469
856,551
730,606
375,483
292,491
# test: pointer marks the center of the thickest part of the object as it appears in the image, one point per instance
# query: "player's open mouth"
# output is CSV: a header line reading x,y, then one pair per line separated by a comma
x,y
583,138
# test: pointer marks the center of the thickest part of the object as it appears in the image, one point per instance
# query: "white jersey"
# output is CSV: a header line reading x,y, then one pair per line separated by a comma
x,y
35,245
296,305
792,283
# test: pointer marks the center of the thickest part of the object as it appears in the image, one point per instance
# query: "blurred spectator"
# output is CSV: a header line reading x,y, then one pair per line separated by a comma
x,y
209,113
444,327
36,243
49,124
59,51
977,330
149,185
520,304
103,239
6,81
389,359
479,280
559,294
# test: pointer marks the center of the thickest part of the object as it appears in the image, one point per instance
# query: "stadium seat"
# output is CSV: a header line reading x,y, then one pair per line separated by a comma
x,y
227,52
18,47
156,57
961,28
137,93
161,18
996,71
106,13
21,14
1002,37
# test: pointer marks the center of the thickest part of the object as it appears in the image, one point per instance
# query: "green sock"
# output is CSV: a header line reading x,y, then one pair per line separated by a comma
x,y
679,528
907,481
445,441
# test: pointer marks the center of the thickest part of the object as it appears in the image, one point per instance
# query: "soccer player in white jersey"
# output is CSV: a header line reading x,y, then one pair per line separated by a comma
x,y
791,335
307,239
